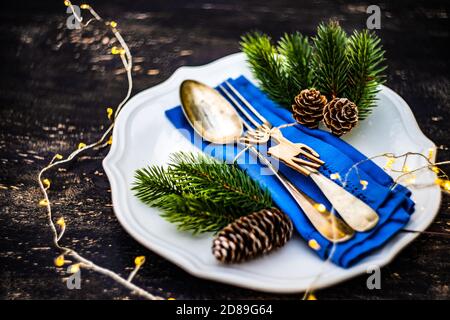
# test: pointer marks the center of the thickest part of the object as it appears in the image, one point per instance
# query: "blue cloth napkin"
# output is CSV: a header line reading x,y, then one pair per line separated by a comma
x,y
393,205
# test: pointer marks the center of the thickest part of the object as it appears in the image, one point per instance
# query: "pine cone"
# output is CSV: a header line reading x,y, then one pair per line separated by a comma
x,y
308,107
252,235
340,115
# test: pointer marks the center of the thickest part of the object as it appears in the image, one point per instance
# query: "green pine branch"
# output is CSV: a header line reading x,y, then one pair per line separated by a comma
x,y
267,66
199,193
365,58
330,60
337,65
296,50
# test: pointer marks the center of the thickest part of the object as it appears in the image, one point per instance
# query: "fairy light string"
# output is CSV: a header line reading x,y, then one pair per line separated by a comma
x,y
442,181
58,229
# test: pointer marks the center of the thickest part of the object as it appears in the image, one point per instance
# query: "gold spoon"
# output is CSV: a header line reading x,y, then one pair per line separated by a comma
x,y
215,119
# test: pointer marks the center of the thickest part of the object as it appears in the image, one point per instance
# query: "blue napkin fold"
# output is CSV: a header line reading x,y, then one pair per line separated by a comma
x,y
393,205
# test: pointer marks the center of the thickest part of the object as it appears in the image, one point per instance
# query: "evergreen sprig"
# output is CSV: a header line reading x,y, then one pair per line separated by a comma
x,y
277,68
337,65
267,65
199,193
365,57
330,60
296,50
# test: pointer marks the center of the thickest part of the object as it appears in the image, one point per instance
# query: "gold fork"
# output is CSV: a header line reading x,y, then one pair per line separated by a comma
x,y
302,158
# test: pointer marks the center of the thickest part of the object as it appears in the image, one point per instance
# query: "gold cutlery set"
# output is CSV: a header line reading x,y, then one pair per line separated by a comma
x,y
218,121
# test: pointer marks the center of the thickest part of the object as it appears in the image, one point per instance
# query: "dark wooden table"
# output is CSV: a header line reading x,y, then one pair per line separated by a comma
x,y
56,83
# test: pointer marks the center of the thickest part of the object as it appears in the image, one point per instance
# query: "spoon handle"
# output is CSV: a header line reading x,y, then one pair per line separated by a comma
x,y
355,212
328,225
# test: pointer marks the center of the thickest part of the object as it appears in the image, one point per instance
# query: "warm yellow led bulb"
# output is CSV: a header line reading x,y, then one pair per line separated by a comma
x,y
58,156
313,244
139,261
446,185
335,176
84,6
411,179
364,184
109,112
74,268
311,296
46,183
406,168
61,222
116,50
109,140
320,207
81,145
430,153
67,3
113,24
389,163
59,261
43,203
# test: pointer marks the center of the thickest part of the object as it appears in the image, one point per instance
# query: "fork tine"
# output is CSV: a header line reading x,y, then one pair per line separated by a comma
x,y
238,105
305,150
312,157
247,104
309,150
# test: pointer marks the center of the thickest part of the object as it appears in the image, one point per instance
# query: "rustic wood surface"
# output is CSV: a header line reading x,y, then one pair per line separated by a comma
x,y
56,83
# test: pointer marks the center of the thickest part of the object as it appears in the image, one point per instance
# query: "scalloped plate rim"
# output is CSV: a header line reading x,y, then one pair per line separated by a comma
x,y
237,277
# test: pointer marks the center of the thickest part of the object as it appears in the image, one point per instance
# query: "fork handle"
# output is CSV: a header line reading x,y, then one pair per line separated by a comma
x,y
354,211
328,225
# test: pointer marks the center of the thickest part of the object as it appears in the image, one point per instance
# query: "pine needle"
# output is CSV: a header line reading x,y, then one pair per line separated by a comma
x,y
365,58
296,50
268,67
199,193
329,59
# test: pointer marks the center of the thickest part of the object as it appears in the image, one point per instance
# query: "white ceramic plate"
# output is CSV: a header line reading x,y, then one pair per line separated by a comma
x,y
144,136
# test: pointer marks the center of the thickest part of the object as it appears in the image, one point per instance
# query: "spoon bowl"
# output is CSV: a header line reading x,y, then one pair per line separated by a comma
x,y
209,113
